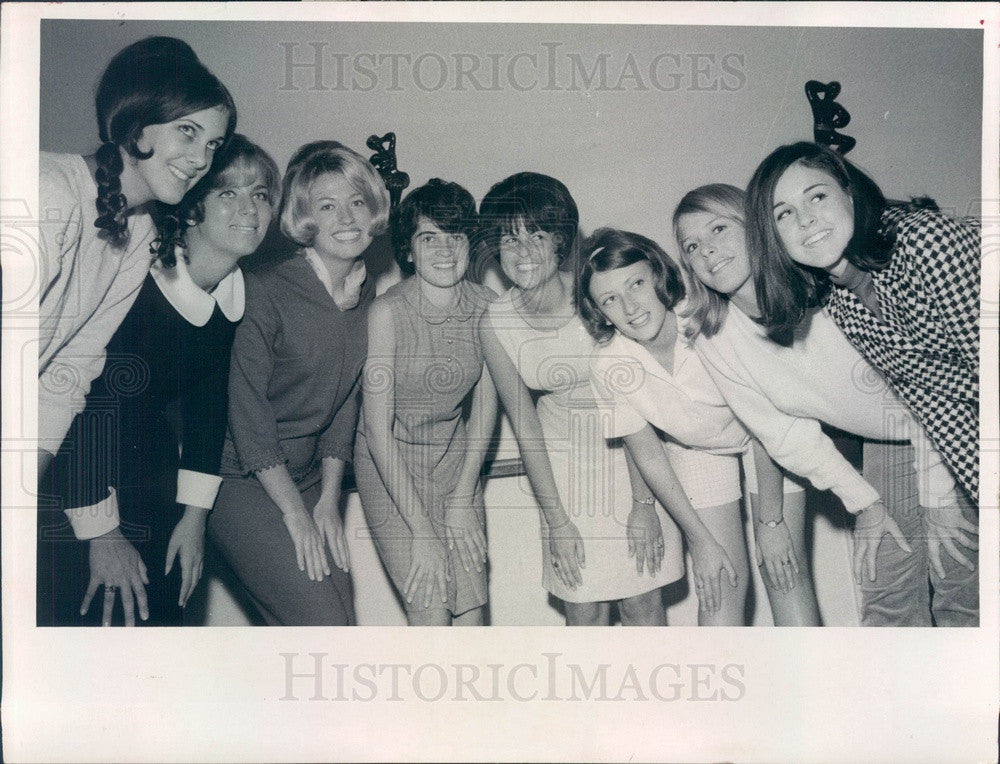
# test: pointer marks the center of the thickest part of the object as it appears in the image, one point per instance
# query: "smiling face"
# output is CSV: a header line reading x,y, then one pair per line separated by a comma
x,y
439,258
529,259
236,214
182,153
628,300
342,217
715,248
814,217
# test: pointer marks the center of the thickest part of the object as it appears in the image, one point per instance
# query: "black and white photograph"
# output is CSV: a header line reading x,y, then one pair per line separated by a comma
x,y
649,318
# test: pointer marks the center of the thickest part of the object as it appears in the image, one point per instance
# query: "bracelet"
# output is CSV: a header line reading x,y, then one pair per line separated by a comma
x,y
772,523
648,502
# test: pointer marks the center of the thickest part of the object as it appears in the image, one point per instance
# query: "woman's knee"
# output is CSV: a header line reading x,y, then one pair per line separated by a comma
x,y
643,610
586,613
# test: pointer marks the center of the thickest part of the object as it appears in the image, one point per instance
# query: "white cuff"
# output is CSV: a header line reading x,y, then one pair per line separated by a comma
x,y
852,489
198,489
95,520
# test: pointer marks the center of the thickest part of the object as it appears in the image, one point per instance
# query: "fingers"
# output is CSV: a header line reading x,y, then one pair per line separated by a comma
x,y
957,556
479,543
964,540
871,558
338,548
572,568
109,604
581,558
429,582
336,541
409,585
566,569
441,575
728,566
641,551
934,555
892,528
91,590
715,586
300,554
191,567
128,604
171,554
859,555
140,597
772,568
316,557
968,527
465,556
706,595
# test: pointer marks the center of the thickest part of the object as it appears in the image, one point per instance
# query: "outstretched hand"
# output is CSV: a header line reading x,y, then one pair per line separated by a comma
x,y
116,565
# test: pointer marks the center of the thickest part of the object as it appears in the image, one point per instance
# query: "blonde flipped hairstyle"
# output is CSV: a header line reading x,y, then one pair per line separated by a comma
x,y
319,158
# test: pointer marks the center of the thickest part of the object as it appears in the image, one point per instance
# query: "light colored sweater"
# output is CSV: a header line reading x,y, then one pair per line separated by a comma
x,y
87,287
782,394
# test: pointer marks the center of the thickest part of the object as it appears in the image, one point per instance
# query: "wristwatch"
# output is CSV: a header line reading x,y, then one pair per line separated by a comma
x,y
772,523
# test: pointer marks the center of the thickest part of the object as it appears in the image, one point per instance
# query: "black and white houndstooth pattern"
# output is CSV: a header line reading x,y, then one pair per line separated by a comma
x,y
928,345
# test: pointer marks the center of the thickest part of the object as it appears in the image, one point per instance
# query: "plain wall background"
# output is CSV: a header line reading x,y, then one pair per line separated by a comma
x,y
914,96
627,155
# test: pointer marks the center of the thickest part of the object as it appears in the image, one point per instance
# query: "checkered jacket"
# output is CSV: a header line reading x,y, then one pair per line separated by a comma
x,y
927,345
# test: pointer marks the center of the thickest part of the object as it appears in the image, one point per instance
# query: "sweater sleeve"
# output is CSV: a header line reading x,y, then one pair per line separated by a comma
x,y
204,408
338,440
252,422
83,473
65,380
796,443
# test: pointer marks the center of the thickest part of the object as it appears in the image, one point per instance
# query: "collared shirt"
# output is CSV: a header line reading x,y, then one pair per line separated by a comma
x,y
684,404
352,283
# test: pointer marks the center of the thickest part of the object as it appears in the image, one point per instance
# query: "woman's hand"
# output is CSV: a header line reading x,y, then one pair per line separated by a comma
x,y
566,548
709,560
326,515
428,568
945,527
464,522
872,523
188,542
116,565
777,555
645,537
309,552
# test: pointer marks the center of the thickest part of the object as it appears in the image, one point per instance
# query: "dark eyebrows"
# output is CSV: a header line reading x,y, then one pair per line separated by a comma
x,y
804,192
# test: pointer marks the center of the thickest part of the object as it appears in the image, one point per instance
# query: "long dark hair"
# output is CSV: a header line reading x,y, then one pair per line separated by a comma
x,y
151,82
787,291
608,249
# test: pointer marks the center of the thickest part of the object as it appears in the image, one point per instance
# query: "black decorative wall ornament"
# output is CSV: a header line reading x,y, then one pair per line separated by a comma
x,y
828,116
384,160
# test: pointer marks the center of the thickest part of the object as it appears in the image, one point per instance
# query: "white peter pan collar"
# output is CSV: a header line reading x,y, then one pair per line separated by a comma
x,y
194,304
